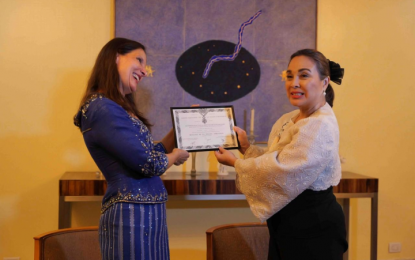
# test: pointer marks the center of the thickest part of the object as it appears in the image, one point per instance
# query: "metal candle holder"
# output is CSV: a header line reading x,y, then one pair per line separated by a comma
x,y
193,170
251,138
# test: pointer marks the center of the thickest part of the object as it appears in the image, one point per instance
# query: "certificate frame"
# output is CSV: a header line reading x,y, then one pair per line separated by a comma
x,y
199,118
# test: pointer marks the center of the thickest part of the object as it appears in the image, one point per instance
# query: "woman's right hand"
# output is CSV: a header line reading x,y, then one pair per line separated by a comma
x,y
181,156
243,139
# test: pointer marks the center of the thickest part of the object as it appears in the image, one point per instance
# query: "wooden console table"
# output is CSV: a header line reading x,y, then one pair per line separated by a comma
x,y
91,186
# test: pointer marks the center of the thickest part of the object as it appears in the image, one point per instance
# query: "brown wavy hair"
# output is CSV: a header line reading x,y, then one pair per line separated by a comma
x,y
105,78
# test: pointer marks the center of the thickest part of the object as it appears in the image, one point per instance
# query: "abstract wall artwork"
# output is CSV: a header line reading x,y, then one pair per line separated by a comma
x,y
217,52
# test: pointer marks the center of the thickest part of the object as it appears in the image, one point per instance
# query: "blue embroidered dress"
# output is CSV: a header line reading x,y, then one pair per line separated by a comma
x,y
133,220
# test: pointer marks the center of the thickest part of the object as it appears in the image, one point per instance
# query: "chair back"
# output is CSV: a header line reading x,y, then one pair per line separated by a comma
x,y
67,244
243,241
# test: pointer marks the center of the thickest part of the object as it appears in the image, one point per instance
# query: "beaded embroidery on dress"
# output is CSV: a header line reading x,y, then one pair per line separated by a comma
x,y
124,150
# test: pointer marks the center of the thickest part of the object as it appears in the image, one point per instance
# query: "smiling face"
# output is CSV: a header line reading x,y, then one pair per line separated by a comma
x,y
304,86
131,68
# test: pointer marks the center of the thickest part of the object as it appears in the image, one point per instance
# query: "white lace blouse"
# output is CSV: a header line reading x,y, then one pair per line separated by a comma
x,y
299,156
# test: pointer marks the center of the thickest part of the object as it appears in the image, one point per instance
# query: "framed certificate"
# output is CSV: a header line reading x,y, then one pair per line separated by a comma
x,y
204,128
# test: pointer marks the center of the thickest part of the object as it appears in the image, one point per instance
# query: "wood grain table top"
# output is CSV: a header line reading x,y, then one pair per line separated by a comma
x,y
205,183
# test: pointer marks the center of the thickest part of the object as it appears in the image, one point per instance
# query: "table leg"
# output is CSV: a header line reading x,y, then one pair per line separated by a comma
x,y
346,210
64,213
374,228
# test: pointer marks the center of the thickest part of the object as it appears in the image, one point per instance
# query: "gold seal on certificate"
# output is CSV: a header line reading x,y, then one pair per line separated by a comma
x,y
204,128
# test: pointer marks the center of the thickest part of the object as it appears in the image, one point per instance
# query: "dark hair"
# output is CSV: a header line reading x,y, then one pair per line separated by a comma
x,y
105,78
323,68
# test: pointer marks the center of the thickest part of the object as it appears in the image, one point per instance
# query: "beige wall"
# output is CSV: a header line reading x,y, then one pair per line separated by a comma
x,y
374,40
47,49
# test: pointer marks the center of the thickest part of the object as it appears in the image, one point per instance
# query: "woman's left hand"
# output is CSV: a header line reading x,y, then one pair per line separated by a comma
x,y
182,156
225,157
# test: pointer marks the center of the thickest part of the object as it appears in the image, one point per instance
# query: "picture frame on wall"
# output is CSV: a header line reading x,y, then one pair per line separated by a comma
x,y
182,36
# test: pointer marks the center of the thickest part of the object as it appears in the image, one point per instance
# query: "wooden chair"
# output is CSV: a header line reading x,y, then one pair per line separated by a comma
x,y
243,241
67,244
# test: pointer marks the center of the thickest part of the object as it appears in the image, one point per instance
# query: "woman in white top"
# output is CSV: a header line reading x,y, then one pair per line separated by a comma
x,y
289,183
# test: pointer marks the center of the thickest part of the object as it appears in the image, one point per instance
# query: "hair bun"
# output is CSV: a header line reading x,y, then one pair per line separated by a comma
x,y
336,72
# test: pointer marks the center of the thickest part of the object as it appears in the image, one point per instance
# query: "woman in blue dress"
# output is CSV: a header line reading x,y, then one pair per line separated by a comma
x,y
133,220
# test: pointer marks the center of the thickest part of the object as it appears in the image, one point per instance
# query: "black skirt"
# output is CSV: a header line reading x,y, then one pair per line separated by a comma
x,y
312,226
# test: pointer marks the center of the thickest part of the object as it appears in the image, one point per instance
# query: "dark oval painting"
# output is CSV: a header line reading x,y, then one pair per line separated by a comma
x,y
227,80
